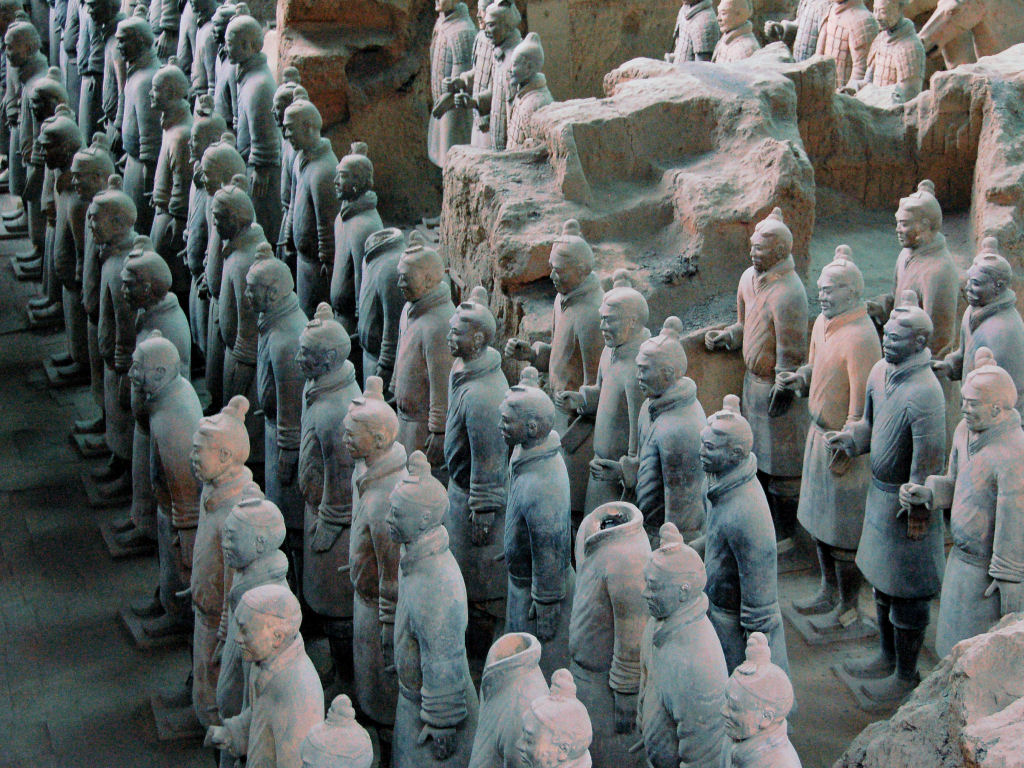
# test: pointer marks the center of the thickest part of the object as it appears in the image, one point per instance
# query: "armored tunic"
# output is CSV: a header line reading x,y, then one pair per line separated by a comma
x,y
897,58
682,689
608,617
843,351
574,354
173,167
379,312
238,325
696,33
451,54
325,477
904,429
741,556
736,45
480,78
173,416
984,490
224,87
258,137
525,101
430,654
929,271
809,17
845,36
491,89
356,220
373,556
140,130
768,747
168,317
115,336
314,204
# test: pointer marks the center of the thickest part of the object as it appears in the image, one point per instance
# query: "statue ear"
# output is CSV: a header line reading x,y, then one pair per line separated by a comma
x,y
224,454
261,544
379,439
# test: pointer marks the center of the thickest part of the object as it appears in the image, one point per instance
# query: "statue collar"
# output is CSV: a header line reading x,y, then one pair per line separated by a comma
x,y
545,449
331,381
978,440
501,674
904,29
270,568
664,629
167,304
285,307
365,202
219,491
434,298
683,392
121,246
270,668
630,349
833,324
249,237
459,12
746,28
36,64
898,372
749,753
110,27
170,387
144,60
936,247
590,284
844,5
535,83
508,45
178,114
599,537
489,361
781,269
258,61
1006,301
433,542
388,463
719,485
696,8
321,148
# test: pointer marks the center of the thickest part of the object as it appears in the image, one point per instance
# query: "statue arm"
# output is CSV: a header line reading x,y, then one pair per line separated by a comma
x,y
392,301
790,317
336,503
1008,543
682,475
150,133
439,365
246,333
228,308
442,662
955,359
755,551
591,343
237,730
944,486
124,340
325,208
860,46
265,136
170,16
288,383
69,39
939,302
629,615
858,368
928,427
634,399
387,554
550,533
592,394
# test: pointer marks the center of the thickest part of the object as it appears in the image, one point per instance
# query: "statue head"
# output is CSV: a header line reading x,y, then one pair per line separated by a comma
x,y
252,528
268,618
21,43
990,275
733,13
418,502
232,208
571,259
134,38
207,128
102,11
919,217
988,396
771,242
420,269
169,88
46,94
243,37
472,327
527,413
727,440
556,728
220,445
371,425
203,10
907,330
527,60
60,138
661,361
758,694
840,285
339,741
889,13
388,240
324,345
145,277
674,576
155,364
445,6
500,18
220,164
302,124
285,93
624,311
111,213
222,16
91,167
354,174
268,281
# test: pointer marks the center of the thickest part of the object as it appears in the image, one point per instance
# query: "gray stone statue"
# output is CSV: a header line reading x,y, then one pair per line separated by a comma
x,y
451,54
845,35
380,303
556,728
102,69
696,32
223,85
283,97
528,92
338,742
737,41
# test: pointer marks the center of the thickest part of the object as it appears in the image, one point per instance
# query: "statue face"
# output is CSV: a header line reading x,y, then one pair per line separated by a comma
x,y
57,154
360,439
281,103
134,291
536,747
313,360
495,29
717,454
515,424
654,378
982,288
101,11
835,296
129,44
42,106
347,185
414,278
299,132
523,67
208,460
239,47
144,376
617,324
464,340
663,595
566,272
899,342
742,713
102,224
978,411
888,13
765,251
161,95
259,635
241,543
404,525
86,183
258,294
19,49
731,13
226,223
912,229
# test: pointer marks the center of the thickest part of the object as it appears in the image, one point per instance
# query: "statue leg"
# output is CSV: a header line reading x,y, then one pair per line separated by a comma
x,y
849,578
205,668
910,619
214,358
824,600
884,662
168,236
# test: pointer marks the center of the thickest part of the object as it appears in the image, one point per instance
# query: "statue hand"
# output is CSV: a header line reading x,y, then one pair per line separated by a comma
x,y
569,401
773,31
480,524
625,712
484,124
165,46
517,349
217,737
629,466
875,311
261,181
446,741
546,616
287,466
841,441
324,534
912,493
202,287
715,341
434,449
942,369
779,401
918,520
218,651
606,470
464,101
450,85
1011,595
788,380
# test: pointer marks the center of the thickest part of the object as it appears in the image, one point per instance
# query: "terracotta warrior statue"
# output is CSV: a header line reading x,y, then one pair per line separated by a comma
x,y
436,717
573,356
476,456
283,97
357,219
313,204
991,320
538,525
269,289
739,541
423,360
556,728
486,87
771,330
528,90
615,398
845,35
380,304
204,57
140,124
97,27
250,538
451,54
758,699
608,618
896,59
666,475
984,490
223,86
903,429
510,682
844,349
220,448
325,479
259,140
738,41
285,699
339,741
682,669
371,429
696,33
801,35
